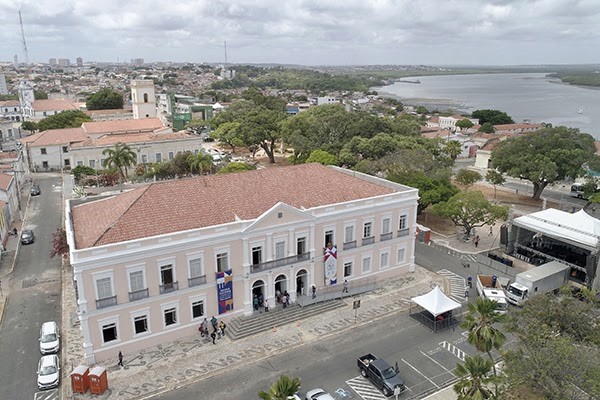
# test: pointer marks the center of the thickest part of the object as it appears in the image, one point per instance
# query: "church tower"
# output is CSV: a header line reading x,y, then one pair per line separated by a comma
x,y
26,98
143,99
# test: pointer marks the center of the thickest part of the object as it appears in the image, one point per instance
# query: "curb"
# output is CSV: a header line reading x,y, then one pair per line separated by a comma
x,y
4,303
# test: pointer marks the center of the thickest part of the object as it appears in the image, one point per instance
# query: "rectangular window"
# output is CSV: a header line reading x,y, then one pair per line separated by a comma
x,y
65,149
401,255
197,309
158,157
144,159
301,246
329,238
109,332
45,164
366,264
385,225
171,155
92,163
347,269
402,224
141,324
166,274
104,288
170,316
385,260
279,250
196,267
43,151
349,234
79,163
136,280
222,262
367,230
256,255
67,162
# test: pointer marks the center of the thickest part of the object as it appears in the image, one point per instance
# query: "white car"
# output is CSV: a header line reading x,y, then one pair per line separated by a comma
x,y
49,338
48,372
318,394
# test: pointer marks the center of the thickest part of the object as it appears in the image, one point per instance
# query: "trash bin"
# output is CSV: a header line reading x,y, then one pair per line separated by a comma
x,y
80,380
98,380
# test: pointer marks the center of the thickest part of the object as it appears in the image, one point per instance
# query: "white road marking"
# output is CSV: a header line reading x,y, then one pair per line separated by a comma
x,y
454,350
444,368
420,373
46,395
365,389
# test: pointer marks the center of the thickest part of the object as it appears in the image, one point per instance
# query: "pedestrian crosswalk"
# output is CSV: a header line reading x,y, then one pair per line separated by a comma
x,y
46,395
365,389
457,285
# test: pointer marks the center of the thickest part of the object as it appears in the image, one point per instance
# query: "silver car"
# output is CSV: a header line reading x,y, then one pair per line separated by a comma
x,y
48,372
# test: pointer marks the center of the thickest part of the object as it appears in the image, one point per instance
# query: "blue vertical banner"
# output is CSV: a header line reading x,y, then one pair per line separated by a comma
x,y
225,291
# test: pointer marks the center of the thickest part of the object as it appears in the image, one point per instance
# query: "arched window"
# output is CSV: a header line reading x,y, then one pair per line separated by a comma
x,y
145,97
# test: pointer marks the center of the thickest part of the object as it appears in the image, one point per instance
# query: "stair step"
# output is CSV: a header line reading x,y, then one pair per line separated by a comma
x,y
245,326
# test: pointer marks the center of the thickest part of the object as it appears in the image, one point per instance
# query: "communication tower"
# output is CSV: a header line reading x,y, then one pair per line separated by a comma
x,y
23,40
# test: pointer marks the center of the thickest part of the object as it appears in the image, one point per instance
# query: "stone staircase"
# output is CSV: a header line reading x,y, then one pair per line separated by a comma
x,y
249,325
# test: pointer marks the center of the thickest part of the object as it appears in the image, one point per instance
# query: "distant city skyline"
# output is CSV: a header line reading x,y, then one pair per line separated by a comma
x,y
310,32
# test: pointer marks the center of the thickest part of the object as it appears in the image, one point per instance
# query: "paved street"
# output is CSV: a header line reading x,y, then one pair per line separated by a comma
x,y
34,296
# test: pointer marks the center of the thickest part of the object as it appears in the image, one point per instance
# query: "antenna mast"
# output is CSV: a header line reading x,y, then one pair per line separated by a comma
x,y
23,39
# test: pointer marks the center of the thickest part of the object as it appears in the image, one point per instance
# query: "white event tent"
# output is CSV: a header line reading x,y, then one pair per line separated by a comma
x,y
436,303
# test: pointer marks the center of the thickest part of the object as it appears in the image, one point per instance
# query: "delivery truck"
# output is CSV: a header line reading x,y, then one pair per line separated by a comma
x,y
543,279
488,286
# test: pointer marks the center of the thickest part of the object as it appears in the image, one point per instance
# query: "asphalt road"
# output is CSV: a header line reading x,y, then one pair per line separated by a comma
x,y
34,296
559,193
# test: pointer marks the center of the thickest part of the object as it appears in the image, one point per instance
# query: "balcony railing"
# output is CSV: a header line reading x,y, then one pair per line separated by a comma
x,y
385,236
403,232
168,287
350,245
138,294
279,262
197,280
369,240
106,302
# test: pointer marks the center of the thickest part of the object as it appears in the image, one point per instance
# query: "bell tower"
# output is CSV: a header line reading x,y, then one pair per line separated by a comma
x,y
143,99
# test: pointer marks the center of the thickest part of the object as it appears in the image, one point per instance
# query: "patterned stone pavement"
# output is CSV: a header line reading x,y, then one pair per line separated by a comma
x,y
172,365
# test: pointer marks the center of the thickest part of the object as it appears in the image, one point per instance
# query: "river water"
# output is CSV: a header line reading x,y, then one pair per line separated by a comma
x,y
524,96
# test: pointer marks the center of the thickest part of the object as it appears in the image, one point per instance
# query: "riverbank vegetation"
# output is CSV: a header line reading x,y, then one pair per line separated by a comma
x,y
590,78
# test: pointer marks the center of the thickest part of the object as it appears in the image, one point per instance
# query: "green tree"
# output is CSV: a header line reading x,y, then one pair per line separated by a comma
x,y
474,379
201,162
105,99
487,127
261,127
121,157
81,171
470,209
464,124
466,177
494,117
40,95
283,388
452,148
229,133
236,167
65,119
29,126
546,156
322,157
422,110
495,178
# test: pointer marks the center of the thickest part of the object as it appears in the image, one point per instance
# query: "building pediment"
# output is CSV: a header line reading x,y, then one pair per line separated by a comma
x,y
280,214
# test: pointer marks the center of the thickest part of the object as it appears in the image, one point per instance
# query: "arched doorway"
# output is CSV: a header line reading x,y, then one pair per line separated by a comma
x,y
280,284
258,292
301,282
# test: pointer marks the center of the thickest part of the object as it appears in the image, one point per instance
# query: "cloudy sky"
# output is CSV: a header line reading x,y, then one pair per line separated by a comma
x,y
310,32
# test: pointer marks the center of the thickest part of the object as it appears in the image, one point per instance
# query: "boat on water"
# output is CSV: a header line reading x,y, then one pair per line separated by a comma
x,y
580,111
409,81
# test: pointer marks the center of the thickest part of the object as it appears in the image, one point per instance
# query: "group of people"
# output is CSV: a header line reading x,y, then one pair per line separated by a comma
x,y
259,302
217,326
282,298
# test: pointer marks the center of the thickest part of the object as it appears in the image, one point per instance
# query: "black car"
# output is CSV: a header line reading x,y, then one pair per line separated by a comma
x,y
27,236
35,190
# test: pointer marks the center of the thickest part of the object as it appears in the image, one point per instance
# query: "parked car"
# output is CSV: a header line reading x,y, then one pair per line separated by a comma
x,y
35,190
381,374
48,372
49,338
27,236
318,394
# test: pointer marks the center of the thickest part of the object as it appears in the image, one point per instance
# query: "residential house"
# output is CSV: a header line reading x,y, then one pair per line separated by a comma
x,y
150,264
9,195
517,128
11,109
49,150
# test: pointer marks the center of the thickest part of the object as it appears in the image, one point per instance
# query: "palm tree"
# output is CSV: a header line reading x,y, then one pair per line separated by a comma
x,y
282,389
453,148
479,322
200,162
120,157
474,379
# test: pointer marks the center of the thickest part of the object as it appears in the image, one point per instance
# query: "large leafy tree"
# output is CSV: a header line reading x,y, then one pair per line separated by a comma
x,y
464,123
228,133
470,209
474,379
322,157
65,119
120,157
495,178
236,167
105,99
282,389
467,177
494,117
546,156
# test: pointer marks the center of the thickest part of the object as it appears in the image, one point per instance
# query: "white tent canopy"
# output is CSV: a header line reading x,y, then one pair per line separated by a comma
x,y
436,302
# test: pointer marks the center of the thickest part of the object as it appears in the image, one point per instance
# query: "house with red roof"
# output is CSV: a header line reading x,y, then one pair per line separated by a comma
x,y
151,263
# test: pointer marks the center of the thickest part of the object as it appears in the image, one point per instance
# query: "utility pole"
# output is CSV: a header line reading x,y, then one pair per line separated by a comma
x,y
23,40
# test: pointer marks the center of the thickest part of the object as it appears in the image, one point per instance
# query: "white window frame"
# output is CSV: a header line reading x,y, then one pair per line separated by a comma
x,y
102,275
277,241
168,306
136,314
385,252
403,218
222,250
370,223
194,299
351,262
136,268
353,236
171,155
332,230
192,257
108,321
301,235
389,219
163,263
158,157
401,260
362,263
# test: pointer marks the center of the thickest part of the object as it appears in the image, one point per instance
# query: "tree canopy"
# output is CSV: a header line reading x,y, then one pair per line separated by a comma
x,y
487,127
322,157
65,119
494,117
546,156
105,99
464,124
467,177
120,157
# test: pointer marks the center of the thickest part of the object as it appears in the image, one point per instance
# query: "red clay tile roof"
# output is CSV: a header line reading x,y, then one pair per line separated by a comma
x,y
178,205
5,180
126,138
55,137
122,126
53,105
10,103
506,127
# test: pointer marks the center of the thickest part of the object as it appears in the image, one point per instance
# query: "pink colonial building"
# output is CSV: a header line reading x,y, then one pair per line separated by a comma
x,y
150,264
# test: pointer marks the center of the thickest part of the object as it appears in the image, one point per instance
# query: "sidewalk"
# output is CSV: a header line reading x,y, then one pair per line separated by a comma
x,y
172,365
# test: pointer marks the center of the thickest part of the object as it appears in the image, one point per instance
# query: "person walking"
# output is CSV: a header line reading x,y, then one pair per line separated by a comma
x,y
314,292
470,281
345,289
213,322
205,327
222,327
476,240
120,356
284,299
213,336
491,232
255,302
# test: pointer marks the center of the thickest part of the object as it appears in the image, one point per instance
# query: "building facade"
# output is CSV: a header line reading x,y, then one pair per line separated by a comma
x,y
143,99
152,263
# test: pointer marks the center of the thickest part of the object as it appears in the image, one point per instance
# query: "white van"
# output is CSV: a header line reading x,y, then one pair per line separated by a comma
x,y
49,338
48,372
